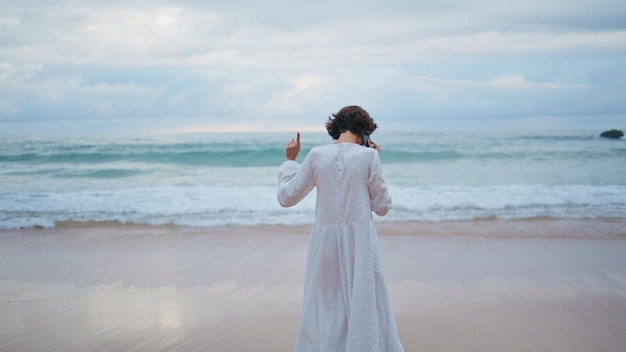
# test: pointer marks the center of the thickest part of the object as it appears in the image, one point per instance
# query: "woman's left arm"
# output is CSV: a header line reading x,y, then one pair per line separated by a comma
x,y
379,195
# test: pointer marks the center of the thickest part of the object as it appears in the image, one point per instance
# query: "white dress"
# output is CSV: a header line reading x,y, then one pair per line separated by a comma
x,y
345,305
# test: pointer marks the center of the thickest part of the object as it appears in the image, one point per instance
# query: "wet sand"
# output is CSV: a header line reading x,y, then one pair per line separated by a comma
x,y
492,285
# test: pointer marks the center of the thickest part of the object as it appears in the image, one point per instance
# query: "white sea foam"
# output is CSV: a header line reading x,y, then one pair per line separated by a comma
x,y
214,180
216,206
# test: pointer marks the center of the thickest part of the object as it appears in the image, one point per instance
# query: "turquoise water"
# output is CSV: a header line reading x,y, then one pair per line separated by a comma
x,y
220,179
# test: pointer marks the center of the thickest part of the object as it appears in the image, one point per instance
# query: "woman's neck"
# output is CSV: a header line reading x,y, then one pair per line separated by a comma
x,y
349,137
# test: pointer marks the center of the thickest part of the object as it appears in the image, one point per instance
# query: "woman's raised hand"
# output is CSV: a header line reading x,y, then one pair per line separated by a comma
x,y
293,148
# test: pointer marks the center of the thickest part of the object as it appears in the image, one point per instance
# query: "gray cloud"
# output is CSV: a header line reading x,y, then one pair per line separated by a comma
x,y
198,64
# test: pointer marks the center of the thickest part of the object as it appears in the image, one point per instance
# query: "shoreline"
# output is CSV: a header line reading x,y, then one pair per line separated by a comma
x,y
542,227
479,285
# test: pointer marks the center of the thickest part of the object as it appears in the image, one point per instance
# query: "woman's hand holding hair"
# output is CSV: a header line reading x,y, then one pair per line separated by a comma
x,y
293,148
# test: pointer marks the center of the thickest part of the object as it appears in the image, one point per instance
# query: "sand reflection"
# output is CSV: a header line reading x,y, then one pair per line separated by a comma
x,y
224,316
170,313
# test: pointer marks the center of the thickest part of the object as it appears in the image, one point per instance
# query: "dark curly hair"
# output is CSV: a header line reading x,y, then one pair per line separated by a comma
x,y
350,118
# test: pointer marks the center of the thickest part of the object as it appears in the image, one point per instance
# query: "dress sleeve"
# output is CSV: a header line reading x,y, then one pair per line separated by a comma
x,y
379,195
295,181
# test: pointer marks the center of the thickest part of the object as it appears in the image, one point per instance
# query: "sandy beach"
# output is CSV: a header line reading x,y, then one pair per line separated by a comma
x,y
492,285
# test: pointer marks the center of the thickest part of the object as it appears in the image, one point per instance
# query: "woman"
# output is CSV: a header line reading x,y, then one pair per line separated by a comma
x,y
345,306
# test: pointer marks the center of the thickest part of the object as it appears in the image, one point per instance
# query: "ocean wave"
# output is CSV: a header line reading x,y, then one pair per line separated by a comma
x,y
268,149
220,206
274,156
222,179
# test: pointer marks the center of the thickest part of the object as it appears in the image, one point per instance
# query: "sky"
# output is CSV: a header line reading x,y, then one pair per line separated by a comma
x,y
69,66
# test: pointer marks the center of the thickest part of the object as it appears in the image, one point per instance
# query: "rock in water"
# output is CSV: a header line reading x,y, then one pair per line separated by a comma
x,y
615,134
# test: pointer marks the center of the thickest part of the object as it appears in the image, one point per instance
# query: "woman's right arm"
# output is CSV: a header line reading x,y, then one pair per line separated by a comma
x,y
295,181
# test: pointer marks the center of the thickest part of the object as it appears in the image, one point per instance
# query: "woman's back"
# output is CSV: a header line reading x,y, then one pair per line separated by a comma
x,y
342,174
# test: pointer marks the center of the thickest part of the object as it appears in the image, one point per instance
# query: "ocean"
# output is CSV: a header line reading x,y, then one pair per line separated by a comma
x,y
206,180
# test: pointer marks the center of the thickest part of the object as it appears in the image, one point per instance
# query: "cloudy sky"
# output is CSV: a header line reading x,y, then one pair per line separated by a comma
x,y
190,66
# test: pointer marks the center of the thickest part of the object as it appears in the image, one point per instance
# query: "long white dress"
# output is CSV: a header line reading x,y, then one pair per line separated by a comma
x,y
345,305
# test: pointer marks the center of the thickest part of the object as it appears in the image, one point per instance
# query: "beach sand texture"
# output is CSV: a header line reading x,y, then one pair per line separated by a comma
x,y
492,285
